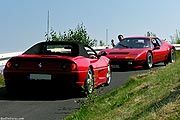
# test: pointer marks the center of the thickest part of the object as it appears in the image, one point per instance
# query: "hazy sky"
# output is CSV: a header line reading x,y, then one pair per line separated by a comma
x,y
24,22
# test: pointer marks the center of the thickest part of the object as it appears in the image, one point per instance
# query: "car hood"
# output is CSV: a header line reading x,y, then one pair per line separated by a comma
x,y
125,51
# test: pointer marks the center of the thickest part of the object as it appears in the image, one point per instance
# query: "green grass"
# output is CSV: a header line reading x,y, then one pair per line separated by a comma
x,y
1,81
178,54
153,95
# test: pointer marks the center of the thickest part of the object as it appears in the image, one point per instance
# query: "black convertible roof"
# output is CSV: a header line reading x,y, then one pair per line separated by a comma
x,y
77,48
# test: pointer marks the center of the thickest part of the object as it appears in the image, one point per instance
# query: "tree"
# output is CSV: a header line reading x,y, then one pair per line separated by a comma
x,y
79,34
175,39
101,43
151,34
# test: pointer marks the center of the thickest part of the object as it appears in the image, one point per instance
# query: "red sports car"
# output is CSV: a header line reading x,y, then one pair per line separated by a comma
x,y
140,52
59,64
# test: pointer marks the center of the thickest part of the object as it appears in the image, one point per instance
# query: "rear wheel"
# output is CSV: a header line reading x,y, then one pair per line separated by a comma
x,y
165,63
108,76
172,56
149,61
11,88
89,84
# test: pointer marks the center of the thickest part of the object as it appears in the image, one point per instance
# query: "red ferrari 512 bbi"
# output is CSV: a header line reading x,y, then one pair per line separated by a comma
x,y
132,52
66,65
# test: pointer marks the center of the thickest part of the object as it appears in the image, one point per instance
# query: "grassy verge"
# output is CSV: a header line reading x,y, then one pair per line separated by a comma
x,y
1,81
153,95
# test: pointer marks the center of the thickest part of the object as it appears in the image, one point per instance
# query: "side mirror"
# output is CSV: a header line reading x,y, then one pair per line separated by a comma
x,y
92,56
103,53
156,48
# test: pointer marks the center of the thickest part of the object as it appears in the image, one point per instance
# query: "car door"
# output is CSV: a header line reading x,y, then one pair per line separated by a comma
x,y
159,50
99,66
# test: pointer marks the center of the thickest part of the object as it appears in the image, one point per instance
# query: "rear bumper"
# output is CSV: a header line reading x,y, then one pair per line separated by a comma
x,y
18,80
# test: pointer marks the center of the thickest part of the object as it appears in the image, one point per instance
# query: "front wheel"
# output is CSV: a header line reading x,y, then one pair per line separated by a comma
x,y
89,83
149,61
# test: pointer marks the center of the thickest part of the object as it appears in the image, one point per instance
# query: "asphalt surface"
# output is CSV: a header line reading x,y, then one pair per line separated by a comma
x,y
48,107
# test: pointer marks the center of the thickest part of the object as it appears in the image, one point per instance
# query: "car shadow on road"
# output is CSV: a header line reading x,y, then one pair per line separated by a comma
x,y
128,69
38,95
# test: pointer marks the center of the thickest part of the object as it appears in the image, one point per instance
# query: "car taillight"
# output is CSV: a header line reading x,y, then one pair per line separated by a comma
x,y
73,66
68,66
12,65
8,65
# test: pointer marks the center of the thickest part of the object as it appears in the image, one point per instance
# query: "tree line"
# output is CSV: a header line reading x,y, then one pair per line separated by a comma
x,y
80,34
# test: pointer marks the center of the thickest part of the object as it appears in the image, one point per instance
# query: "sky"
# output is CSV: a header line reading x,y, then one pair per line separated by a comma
x,y
24,22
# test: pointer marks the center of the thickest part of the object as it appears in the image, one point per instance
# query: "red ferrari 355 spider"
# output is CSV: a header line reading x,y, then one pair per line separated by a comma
x,y
60,64
140,51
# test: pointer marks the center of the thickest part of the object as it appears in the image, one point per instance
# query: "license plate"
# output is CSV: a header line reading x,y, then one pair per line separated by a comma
x,y
40,77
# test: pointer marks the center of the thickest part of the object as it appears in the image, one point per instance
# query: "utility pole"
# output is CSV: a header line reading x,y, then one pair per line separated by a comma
x,y
47,34
106,37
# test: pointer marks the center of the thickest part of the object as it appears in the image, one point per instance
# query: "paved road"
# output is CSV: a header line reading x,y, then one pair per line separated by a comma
x,y
48,107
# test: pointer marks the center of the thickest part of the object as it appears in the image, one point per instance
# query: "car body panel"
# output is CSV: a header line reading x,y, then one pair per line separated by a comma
x,y
127,52
60,70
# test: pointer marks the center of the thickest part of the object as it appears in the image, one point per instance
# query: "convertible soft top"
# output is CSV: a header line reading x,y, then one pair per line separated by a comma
x,y
58,48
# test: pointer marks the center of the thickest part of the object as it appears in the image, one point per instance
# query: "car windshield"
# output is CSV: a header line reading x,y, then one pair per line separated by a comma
x,y
133,43
53,49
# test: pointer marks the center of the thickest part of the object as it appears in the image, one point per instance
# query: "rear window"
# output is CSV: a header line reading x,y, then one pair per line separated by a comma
x,y
59,49
53,49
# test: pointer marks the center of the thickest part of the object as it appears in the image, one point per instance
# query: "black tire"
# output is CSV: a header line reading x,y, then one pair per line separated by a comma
x,y
89,84
165,63
172,56
11,88
149,61
108,75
